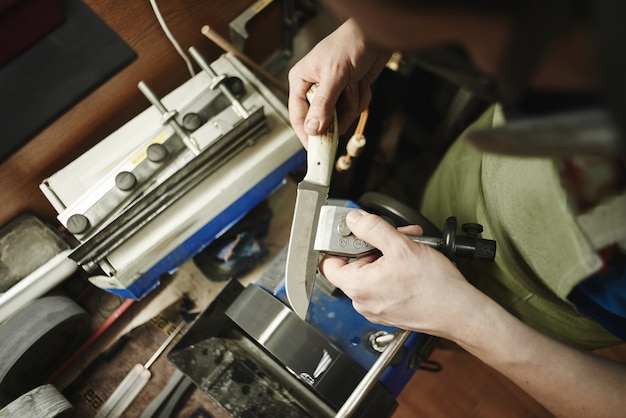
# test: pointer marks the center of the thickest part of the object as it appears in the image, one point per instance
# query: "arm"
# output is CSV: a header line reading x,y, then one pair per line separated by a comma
x,y
344,65
415,287
349,60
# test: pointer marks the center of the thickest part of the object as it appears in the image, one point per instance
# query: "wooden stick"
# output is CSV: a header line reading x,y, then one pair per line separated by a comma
x,y
228,47
360,127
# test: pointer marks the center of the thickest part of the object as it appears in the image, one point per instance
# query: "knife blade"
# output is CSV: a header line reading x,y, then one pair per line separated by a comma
x,y
311,195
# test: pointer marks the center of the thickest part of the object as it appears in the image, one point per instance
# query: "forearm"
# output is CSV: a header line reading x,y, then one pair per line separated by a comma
x,y
567,381
415,287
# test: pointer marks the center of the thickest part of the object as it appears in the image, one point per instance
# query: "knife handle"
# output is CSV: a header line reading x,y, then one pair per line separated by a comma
x,y
321,150
321,155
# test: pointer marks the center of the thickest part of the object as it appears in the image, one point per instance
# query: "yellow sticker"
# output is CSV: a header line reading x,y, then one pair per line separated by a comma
x,y
163,324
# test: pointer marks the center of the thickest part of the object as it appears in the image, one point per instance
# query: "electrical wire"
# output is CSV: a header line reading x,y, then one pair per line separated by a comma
x,y
171,38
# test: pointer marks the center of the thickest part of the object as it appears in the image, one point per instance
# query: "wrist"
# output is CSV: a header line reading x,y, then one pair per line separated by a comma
x,y
474,319
489,331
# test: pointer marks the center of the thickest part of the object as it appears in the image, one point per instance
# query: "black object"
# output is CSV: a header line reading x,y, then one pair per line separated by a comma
x,y
396,212
469,247
246,380
239,250
56,72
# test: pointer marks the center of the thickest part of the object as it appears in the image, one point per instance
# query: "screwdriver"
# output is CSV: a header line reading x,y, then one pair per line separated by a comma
x,y
132,384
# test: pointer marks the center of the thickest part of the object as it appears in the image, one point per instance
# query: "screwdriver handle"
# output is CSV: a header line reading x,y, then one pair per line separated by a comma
x,y
134,381
125,393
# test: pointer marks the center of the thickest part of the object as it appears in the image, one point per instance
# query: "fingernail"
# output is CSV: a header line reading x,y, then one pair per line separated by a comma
x,y
354,215
312,126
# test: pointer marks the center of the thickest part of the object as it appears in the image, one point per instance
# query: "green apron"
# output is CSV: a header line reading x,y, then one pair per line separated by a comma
x,y
541,252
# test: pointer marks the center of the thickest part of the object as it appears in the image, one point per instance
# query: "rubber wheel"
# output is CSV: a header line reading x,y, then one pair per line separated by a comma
x,y
396,212
36,340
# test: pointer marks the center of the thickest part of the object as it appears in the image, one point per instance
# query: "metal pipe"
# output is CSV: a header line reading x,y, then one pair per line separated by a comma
x,y
371,377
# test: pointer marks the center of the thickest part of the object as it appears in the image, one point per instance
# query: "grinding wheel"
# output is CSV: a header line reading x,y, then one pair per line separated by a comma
x,y
36,340
43,401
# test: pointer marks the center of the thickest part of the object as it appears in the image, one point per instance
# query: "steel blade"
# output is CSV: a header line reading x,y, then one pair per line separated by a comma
x,y
302,259
312,194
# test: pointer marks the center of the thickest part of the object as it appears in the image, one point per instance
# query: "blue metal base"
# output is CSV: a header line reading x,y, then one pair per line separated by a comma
x,y
212,230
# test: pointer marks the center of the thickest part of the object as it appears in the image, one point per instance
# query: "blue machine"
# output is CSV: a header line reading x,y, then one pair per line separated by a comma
x,y
331,313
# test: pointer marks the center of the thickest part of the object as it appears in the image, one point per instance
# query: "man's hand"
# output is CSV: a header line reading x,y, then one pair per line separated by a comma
x,y
344,67
411,286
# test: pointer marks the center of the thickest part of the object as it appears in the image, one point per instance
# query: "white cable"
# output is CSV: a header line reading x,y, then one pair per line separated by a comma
x,y
169,35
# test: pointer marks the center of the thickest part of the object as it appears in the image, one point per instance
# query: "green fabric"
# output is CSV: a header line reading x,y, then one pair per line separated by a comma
x,y
606,223
541,253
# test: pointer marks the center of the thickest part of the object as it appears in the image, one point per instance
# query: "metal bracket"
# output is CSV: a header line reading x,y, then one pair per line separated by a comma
x,y
237,28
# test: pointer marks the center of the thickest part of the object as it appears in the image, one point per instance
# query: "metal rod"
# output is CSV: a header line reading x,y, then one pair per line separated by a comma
x,y
371,378
230,48
164,345
189,141
223,88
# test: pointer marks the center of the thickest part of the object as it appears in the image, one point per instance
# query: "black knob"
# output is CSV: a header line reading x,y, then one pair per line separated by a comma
x,y
236,86
157,153
468,247
471,248
192,121
77,224
485,250
125,181
471,229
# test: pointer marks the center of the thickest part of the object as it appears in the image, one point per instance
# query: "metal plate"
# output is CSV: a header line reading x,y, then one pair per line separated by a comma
x,y
287,364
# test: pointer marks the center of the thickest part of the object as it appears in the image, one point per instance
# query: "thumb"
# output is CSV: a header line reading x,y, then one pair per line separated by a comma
x,y
375,230
322,107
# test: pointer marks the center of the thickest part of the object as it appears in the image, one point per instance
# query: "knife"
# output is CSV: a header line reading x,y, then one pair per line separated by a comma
x,y
311,195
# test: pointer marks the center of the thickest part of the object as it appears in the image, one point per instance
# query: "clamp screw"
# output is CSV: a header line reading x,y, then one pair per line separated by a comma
x,y
192,121
342,227
77,224
125,180
472,230
157,153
